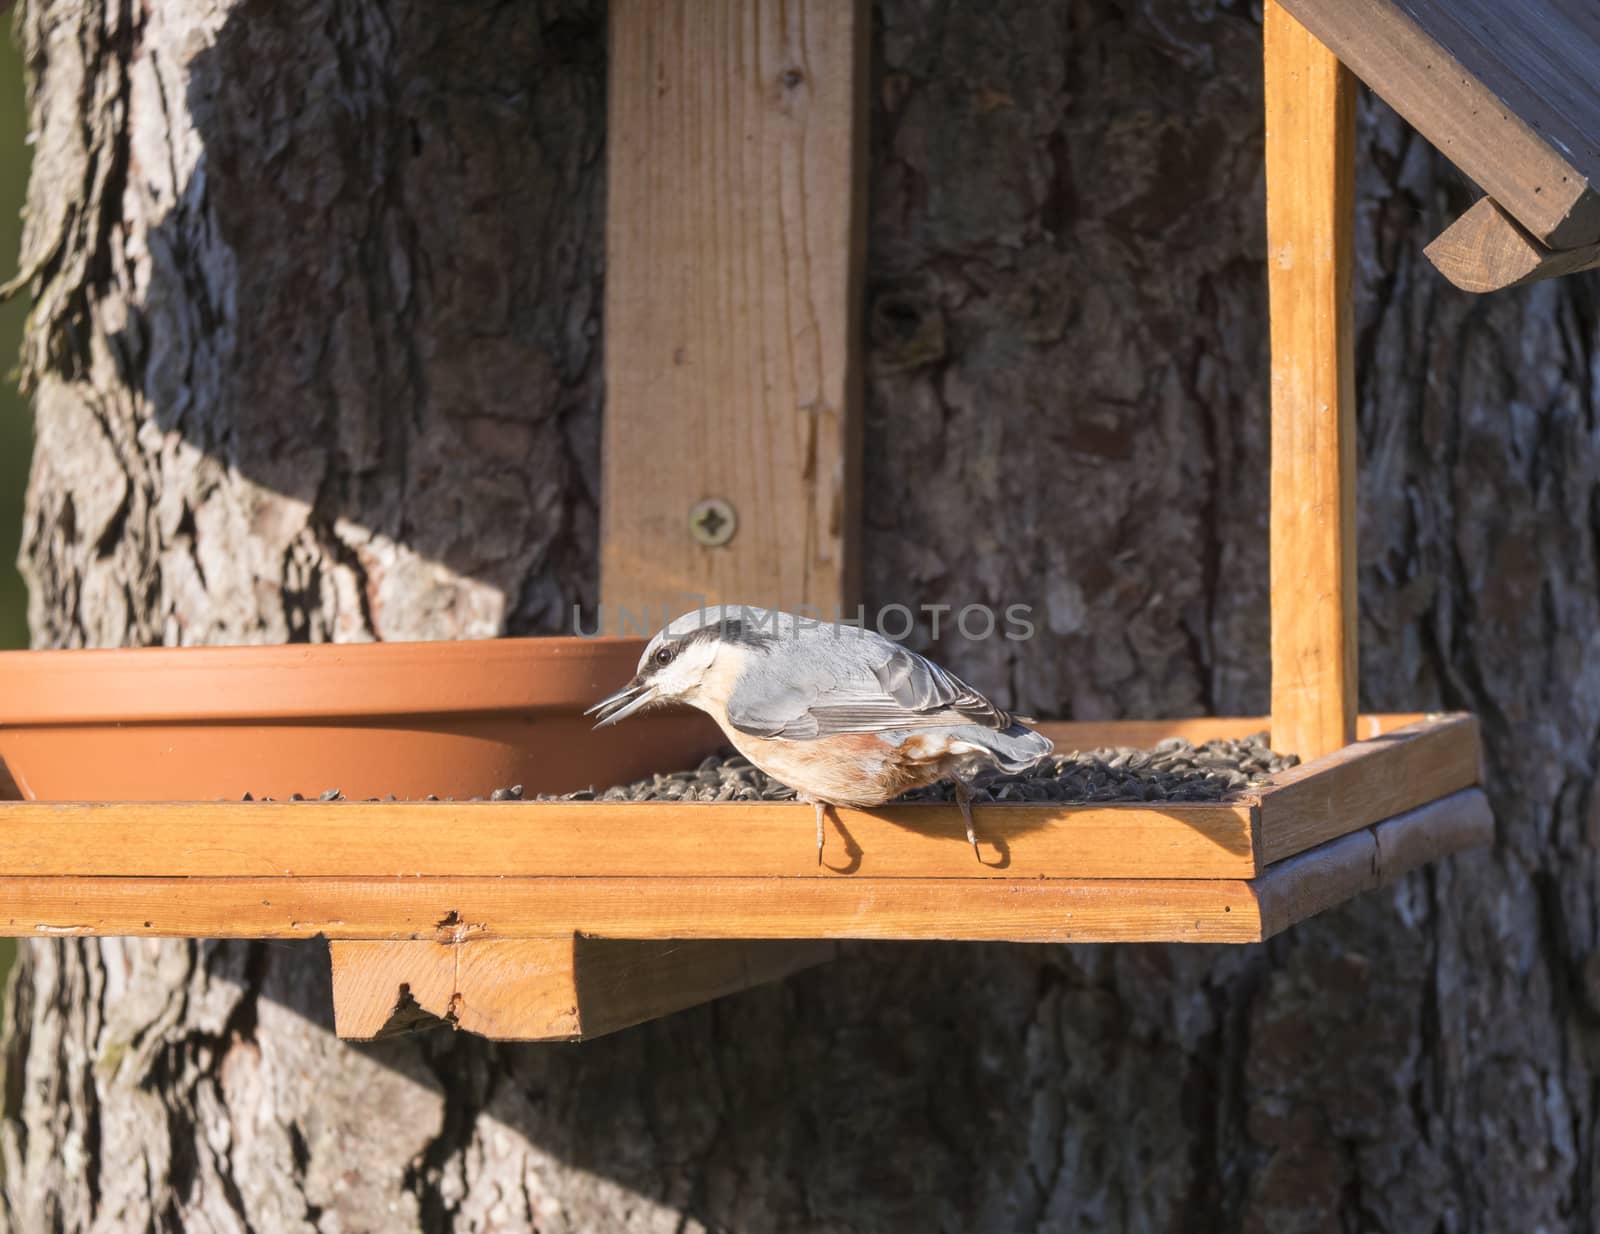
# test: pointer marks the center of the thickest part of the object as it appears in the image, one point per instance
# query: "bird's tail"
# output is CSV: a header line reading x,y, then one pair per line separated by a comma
x,y
1015,749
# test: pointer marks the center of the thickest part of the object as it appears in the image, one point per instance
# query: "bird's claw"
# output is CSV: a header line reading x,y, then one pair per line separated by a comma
x,y
964,800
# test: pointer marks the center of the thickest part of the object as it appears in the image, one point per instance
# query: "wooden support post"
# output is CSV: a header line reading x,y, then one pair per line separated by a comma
x,y
562,989
1310,154
734,240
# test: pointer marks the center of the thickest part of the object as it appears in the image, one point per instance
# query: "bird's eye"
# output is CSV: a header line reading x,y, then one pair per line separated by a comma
x,y
663,657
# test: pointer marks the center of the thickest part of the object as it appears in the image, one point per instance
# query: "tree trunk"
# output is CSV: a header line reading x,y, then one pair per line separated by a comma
x,y
315,356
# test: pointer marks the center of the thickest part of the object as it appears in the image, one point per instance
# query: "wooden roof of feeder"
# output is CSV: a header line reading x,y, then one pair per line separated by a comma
x,y
731,470
1509,91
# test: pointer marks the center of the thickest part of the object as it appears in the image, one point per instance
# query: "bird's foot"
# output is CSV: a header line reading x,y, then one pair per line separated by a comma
x,y
964,800
820,808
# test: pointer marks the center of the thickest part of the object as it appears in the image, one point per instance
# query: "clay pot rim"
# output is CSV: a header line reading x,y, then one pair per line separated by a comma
x,y
310,680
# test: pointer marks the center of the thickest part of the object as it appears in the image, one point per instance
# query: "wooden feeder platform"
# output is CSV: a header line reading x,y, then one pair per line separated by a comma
x,y
557,920
735,238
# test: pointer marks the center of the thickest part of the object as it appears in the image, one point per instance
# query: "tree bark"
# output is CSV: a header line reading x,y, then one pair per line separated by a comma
x,y
315,356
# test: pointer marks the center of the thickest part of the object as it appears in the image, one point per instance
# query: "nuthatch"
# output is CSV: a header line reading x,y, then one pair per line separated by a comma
x,y
838,713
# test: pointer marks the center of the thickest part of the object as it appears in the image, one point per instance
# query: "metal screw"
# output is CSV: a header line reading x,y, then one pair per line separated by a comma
x,y
713,522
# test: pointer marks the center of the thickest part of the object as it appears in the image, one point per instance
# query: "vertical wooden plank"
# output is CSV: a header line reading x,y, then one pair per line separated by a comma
x,y
734,241
1310,153
522,988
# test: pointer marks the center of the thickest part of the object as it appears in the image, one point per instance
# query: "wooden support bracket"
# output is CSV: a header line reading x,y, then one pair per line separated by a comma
x,y
1488,250
538,989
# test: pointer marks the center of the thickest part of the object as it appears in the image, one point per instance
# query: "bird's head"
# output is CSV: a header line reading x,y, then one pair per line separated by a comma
x,y
677,664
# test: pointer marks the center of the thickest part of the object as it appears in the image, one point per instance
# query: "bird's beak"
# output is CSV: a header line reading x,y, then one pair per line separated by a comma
x,y
623,703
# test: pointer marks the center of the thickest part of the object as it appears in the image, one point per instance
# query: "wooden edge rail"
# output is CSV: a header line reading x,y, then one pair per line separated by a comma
x,y
1015,910
661,839
1341,869
1368,781
1350,789
1488,250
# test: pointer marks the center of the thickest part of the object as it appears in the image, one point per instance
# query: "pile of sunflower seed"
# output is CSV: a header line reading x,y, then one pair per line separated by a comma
x,y
1175,770
725,776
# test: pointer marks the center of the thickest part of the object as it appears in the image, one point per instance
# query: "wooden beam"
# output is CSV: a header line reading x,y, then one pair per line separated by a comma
x,y
1310,155
624,839
1505,91
1366,782
1488,250
1328,875
988,910
563,989
1020,910
734,242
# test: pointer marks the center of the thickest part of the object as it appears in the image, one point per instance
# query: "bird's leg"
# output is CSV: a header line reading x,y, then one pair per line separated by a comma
x,y
820,807
964,800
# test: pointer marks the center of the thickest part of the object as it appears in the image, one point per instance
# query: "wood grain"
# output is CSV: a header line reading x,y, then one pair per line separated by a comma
x,y
632,839
1334,872
1310,157
1488,250
734,243
497,987
1505,91
562,989
1366,782
1030,910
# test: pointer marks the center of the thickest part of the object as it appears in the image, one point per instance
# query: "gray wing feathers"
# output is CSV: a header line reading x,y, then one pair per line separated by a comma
x,y
920,685
852,683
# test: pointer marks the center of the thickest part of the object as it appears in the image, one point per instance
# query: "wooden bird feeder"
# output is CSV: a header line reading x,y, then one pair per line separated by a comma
x,y
734,256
